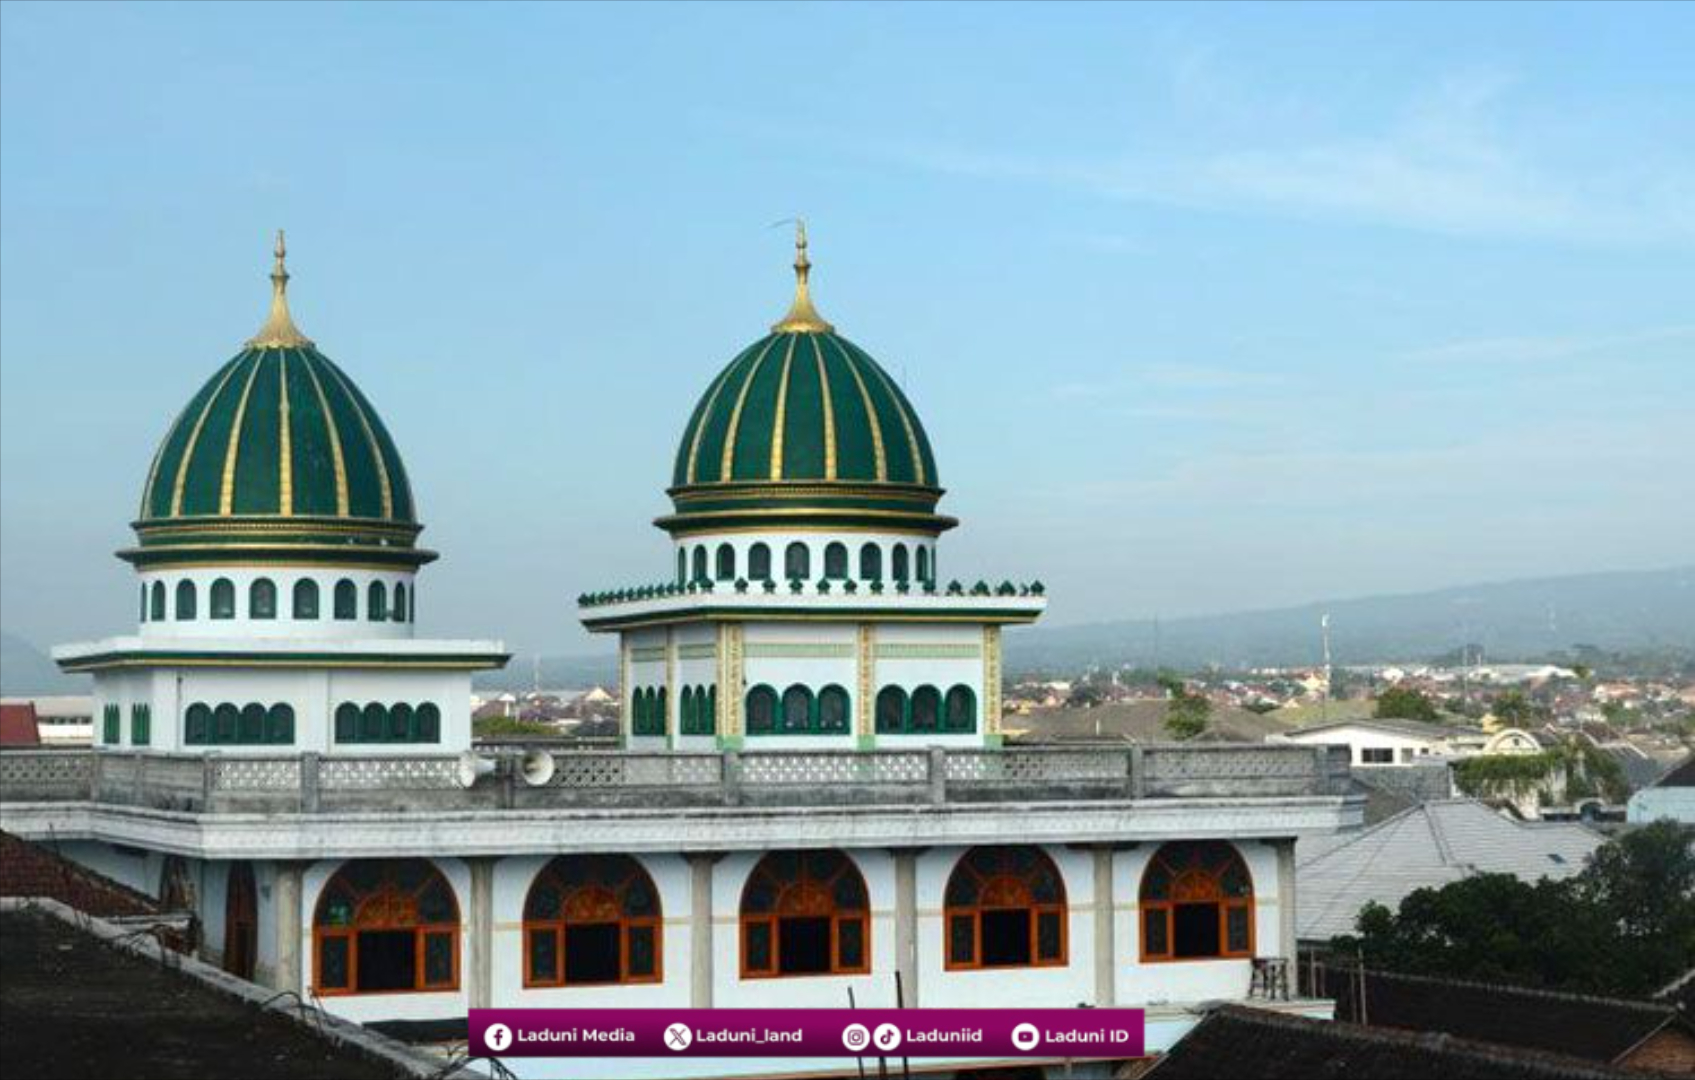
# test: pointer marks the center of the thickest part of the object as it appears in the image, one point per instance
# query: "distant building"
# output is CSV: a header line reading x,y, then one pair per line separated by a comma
x,y
60,719
1388,742
1433,844
1672,796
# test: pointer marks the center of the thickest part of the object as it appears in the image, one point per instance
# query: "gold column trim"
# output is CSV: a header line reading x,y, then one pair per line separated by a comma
x,y
992,679
232,453
906,421
194,434
782,412
705,416
335,442
625,699
285,440
672,705
733,704
279,330
870,410
867,679
829,412
370,437
729,454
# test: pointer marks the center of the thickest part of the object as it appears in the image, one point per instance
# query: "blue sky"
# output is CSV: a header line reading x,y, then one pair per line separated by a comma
x,y
1204,308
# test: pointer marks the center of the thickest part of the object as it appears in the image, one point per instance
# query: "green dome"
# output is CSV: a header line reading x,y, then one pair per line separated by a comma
x,y
803,424
279,456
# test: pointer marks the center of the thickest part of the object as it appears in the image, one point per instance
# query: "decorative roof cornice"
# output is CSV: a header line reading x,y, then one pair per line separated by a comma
x,y
279,331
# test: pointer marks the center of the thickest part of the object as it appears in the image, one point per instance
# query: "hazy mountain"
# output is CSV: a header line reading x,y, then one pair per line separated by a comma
x,y
25,669
1624,611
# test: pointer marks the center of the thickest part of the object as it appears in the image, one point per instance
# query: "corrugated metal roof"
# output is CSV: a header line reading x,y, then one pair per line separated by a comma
x,y
1431,844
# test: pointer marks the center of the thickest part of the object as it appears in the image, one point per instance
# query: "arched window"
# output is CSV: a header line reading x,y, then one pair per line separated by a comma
x,y
373,723
279,724
400,723
156,606
223,599
797,709
399,612
428,719
959,710
682,567
797,562
891,710
924,574
186,597
759,562
262,599
252,726
226,723
700,562
686,719
197,725
899,566
346,600
346,722
926,709
591,920
1005,908
726,559
143,613
661,711
870,562
376,602
1197,903
385,925
305,599
835,561
761,710
710,725
834,710
805,913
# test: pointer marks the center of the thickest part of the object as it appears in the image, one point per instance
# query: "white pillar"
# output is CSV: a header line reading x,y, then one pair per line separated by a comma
x,y
480,927
1286,930
700,929
288,972
1106,949
906,922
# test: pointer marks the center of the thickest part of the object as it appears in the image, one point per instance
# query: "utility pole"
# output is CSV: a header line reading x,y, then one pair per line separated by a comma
x,y
1324,631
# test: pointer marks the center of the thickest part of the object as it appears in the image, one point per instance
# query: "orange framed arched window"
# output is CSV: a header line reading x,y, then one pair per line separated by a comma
x,y
805,913
1197,902
386,926
592,920
1005,907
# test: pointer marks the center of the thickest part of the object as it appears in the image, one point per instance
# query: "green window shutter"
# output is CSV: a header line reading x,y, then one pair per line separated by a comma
x,y
140,725
111,718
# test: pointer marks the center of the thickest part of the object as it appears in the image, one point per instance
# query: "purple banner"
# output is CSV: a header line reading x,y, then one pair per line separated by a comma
x,y
998,1033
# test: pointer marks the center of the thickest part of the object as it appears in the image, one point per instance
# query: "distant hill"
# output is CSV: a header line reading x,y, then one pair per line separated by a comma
x,y
25,669
553,673
1621,612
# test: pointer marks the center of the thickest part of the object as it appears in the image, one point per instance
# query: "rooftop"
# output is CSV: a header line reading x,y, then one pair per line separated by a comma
x,y
72,1005
1237,1041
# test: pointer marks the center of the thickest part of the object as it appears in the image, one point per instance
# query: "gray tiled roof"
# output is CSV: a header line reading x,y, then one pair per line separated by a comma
x,y
1431,844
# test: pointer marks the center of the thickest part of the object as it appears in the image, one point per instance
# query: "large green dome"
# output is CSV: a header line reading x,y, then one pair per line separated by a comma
x,y
279,456
804,427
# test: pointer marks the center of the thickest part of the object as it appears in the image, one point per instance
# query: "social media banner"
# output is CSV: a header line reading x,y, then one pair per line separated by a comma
x,y
953,1033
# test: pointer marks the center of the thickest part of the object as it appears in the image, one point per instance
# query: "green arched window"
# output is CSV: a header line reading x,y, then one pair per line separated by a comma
x,y
223,599
797,709
346,600
279,724
376,602
835,561
197,725
373,723
759,562
685,711
959,710
700,562
142,615
900,568
835,711
347,722
761,710
156,606
262,599
682,567
891,710
305,599
726,560
926,573
186,597
870,562
399,613
428,720
797,562
926,709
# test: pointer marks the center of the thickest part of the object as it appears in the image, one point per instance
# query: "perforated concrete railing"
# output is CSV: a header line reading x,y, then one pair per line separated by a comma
x,y
518,777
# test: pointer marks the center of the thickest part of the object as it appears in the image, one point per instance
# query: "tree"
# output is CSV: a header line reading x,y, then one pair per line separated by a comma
x,y
1624,926
1185,713
1511,707
1400,703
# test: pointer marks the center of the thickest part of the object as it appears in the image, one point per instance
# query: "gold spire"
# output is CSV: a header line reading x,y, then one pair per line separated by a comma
x,y
802,318
279,331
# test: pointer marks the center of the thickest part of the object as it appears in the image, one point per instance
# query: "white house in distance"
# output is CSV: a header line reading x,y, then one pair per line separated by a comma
x,y
810,799
1374,742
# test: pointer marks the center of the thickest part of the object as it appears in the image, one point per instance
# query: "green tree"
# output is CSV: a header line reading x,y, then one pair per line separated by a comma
x,y
1400,703
1643,883
1185,713
1513,708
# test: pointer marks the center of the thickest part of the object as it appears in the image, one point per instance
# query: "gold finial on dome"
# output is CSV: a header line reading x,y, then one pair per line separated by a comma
x,y
279,331
802,318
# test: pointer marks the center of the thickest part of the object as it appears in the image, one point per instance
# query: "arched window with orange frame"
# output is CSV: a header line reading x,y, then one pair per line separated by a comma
x,y
1005,908
805,913
1197,903
386,926
592,920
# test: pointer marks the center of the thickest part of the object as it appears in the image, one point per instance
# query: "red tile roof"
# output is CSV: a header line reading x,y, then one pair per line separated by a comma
x,y
17,725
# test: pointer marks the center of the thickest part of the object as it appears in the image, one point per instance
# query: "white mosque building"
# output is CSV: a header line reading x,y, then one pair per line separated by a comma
x,y
811,797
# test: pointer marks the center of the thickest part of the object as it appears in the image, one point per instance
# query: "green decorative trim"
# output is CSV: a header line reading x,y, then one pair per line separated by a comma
x,y
162,658
893,651
865,742
730,742
697,652
648,654
994,740
798,650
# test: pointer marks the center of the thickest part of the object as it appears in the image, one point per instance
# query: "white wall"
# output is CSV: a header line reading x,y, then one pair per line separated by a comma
x,y
1360,739
326,625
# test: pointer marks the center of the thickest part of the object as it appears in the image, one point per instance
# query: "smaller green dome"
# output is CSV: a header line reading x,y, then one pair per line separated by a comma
x,y
804,427
278,456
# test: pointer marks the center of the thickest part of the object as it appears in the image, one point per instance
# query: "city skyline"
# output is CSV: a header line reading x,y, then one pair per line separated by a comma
x,y
1082,294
